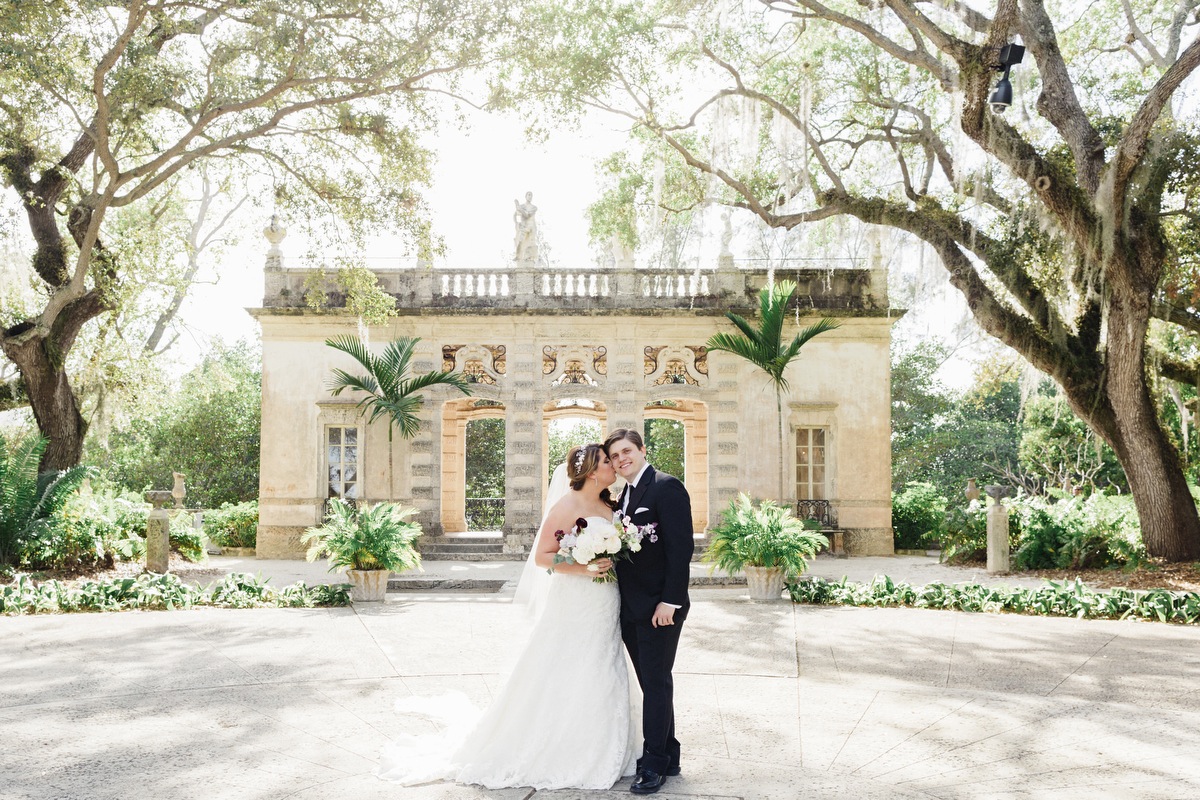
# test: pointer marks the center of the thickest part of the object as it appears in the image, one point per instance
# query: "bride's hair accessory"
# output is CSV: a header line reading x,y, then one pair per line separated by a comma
x,y
579,456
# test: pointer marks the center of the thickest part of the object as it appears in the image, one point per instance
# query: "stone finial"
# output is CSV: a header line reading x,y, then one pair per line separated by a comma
x,y
275,234
997,492
178,491
158,497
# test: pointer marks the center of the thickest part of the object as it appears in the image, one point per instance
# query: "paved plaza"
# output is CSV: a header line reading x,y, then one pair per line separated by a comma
x,y
773,701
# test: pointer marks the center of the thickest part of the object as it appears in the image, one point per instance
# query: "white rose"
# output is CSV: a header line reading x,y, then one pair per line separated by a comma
x,y
635,546
612,544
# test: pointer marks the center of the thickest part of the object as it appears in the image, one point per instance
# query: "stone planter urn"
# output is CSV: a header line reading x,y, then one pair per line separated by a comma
x,y
764,583
370,585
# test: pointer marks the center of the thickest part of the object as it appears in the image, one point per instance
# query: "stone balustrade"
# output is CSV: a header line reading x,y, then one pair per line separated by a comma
x,y
857,291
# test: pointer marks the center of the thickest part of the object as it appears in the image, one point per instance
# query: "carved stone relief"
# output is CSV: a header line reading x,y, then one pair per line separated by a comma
x,y
665,364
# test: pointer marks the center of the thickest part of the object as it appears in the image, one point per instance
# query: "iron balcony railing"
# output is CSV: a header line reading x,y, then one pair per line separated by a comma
x,y
485,513
820,510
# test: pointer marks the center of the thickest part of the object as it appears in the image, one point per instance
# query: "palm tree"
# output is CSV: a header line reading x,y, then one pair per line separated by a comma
x,y
390,391
764,347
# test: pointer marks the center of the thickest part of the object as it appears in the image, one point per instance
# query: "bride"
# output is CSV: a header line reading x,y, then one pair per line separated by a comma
x,y
564,718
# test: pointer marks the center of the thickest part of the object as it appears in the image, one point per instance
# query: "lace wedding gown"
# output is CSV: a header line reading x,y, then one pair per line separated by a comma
x,y
562,720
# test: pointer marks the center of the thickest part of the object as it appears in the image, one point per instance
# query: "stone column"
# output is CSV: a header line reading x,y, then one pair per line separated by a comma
x,y
524,477
158,525
723,451
997,530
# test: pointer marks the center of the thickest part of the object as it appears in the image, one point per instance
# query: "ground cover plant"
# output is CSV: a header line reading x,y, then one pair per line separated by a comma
x,y
1067,599
149,591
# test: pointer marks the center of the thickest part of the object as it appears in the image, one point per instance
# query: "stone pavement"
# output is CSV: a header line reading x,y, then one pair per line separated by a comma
x,y
773,701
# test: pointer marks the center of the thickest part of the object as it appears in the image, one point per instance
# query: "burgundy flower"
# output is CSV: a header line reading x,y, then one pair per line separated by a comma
x,y
581,523
558,535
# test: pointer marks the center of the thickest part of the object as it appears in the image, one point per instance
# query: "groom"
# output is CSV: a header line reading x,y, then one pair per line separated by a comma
x,y
654,599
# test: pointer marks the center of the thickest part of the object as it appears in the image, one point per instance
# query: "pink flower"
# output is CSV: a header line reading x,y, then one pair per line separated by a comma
x,y
653,538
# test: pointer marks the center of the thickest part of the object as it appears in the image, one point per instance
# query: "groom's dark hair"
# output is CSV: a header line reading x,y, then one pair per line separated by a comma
x,y
624,433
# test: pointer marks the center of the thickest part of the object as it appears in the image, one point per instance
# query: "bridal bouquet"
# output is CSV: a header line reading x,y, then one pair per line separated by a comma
x,y
585,544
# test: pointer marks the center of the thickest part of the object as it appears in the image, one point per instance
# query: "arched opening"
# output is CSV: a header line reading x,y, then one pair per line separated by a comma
x,y
567,422
676,434
484,503
472,485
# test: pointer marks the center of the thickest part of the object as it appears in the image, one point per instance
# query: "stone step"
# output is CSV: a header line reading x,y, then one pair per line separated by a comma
x,y
465,547
405,584
459,556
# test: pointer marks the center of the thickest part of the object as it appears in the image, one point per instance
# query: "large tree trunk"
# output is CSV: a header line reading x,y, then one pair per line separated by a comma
x,y
53,403
1129,422
41,358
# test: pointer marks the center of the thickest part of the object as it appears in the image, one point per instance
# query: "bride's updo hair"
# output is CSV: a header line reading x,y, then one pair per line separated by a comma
x,y
582,461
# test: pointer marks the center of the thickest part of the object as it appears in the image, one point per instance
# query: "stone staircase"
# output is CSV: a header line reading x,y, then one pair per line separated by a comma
x,y
465,547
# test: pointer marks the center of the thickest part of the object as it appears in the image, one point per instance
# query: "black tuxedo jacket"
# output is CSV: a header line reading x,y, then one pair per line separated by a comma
x,y
659,572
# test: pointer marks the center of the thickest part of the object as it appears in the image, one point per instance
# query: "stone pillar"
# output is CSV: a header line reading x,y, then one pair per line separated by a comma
x,y
158,525
524,473
723,453
997,530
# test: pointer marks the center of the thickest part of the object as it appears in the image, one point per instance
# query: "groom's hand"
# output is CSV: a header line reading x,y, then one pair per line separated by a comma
x,y
663,615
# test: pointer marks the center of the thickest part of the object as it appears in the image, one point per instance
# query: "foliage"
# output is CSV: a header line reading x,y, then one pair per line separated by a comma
x,y
28,499
918,516
1055,599
97,527
185,538
389,390
361,294
964,536
1077,533
761,535
665,446
375,537
565,433
150,591
209,430
1058,449
485,457
105,109
945,438
764,347
1066,227
233,525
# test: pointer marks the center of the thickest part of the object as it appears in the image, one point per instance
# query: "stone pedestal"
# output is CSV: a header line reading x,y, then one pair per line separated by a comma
x,y
997,538
158,525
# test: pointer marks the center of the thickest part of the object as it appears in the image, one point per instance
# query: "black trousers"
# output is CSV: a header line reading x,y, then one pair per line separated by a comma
x,y
652,651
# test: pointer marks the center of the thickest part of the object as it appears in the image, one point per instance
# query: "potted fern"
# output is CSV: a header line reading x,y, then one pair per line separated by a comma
x,y
764,540
371,543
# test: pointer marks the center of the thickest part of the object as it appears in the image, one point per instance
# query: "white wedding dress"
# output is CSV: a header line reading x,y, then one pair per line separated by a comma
x,y
565,717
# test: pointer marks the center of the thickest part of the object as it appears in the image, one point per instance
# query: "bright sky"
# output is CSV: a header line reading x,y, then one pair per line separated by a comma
x,y
480,171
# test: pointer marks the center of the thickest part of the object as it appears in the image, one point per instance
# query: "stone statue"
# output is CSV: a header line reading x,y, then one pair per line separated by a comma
x,y
725,257
525,234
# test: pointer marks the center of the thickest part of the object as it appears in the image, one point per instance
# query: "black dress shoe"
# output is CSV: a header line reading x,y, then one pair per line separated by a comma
x,y
647,782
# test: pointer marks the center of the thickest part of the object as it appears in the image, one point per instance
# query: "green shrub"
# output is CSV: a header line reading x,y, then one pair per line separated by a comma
x,y
186,539
918,516
964,533
1055,599
148,591
28,498
762,535
99,527
233,525
1077,533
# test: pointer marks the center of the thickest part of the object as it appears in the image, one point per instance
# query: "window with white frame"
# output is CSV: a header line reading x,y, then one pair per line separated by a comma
x,y
341,447
810,464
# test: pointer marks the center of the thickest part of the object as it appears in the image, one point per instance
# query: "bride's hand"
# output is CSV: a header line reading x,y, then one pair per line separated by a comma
x,y
602,565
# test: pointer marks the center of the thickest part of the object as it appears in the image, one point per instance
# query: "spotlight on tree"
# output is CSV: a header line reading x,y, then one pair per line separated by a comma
x,y
1010,56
